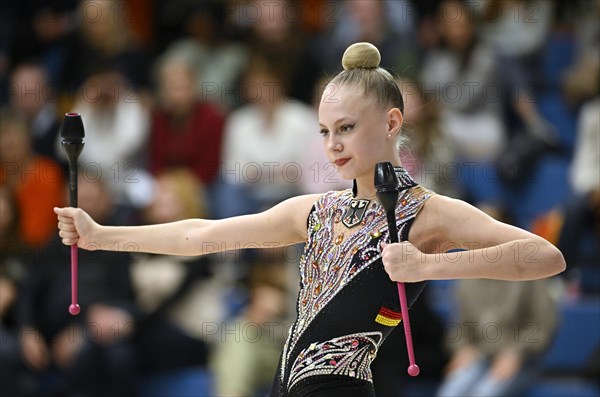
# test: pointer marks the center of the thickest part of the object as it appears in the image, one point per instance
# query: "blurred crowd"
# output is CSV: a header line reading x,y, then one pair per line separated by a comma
x,y
209,109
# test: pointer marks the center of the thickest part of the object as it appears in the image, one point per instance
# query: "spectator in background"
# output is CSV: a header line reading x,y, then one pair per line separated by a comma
x,y
37,181
13,377
582,210
386,24
103,38
583,77
90,354
178,296
426,25
518,31
6,38
216,62
429,154
276,36
502,331
185,131
38,30
252,353
9,226
33,99
458,74
261,161
116,131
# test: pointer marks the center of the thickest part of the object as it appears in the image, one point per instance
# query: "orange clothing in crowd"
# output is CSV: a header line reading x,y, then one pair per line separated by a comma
x,y
39,186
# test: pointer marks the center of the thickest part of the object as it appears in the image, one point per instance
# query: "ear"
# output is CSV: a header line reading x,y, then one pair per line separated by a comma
x,y
394,121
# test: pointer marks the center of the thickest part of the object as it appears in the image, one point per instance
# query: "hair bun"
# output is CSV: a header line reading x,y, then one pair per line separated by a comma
x,y
361,55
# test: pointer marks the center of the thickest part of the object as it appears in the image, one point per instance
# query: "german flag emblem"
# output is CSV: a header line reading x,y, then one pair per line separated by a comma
x,y
388,317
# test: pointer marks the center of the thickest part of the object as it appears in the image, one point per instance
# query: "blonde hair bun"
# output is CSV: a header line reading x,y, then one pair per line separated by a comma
x,y
361,55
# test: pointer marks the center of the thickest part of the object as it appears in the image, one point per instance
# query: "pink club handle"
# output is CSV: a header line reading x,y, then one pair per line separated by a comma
x,y
74,308
413,369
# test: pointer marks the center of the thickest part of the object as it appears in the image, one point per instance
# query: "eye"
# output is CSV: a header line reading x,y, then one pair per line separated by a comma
x,y
347,127
323,132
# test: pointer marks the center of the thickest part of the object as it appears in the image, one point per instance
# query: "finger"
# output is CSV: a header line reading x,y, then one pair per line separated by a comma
x,y
65,219
66,211
69,241
65,234
68,227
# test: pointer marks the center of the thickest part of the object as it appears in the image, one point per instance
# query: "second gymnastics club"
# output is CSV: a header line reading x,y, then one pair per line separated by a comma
x,y
386,184
72,135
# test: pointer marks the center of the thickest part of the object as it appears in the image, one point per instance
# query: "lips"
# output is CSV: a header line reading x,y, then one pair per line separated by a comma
x,y
341,162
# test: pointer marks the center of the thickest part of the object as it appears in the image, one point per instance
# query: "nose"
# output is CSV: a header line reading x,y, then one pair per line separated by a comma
x,y
333,144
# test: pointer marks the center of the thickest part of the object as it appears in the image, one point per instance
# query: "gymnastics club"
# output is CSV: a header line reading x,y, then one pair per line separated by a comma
x,y
72,142
386,184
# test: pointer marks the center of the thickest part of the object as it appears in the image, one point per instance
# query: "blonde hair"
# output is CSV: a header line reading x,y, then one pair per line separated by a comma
x,y
189,190
361,68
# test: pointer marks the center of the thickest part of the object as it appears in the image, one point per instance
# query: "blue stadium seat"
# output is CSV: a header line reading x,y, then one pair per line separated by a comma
x,y
578,336
184,382
563,388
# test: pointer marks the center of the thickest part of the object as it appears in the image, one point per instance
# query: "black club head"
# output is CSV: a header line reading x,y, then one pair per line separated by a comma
x,y
72,128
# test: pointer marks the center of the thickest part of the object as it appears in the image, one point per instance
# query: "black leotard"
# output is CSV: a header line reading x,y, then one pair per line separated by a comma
x,y
347,304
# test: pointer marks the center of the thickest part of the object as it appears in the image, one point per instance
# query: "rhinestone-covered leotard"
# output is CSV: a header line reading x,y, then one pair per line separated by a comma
x,y
347,304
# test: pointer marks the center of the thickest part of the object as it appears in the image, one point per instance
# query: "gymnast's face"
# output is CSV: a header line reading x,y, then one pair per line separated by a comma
x,y
355,130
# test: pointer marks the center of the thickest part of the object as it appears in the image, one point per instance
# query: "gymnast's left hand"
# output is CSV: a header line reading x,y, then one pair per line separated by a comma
x,y
403,262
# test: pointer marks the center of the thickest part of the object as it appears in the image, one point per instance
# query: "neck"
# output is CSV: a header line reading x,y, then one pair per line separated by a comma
x,y
365,184
365,188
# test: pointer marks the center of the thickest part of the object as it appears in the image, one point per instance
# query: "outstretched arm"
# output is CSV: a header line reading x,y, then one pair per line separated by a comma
x,y
492,249
284,224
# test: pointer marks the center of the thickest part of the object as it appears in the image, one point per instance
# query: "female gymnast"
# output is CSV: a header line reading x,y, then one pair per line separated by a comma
x,y
348,302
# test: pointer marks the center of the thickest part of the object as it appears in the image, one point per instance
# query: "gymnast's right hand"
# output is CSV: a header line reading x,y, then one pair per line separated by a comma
x,y
76,227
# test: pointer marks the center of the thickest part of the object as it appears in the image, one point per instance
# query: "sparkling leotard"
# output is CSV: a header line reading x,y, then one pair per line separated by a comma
x,y
347,304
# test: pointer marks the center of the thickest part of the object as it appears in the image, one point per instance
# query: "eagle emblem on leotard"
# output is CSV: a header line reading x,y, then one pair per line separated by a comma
x,y
355,212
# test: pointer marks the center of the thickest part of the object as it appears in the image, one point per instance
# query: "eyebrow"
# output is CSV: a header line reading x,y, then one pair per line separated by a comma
x,y
337,122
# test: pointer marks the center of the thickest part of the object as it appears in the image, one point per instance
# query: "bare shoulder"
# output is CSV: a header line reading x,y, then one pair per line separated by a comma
x,y
299,204
445,223
294,210
426,230
439,208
